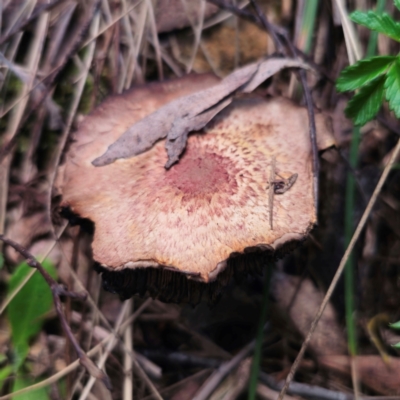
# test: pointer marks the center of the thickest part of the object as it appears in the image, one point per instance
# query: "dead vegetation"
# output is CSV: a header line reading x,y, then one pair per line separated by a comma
x,y
59,61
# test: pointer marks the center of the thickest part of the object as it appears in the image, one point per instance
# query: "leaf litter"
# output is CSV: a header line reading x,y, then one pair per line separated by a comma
x,y
178,118
380,138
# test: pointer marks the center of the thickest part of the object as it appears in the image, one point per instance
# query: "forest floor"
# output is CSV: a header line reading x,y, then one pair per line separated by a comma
x,y
60,60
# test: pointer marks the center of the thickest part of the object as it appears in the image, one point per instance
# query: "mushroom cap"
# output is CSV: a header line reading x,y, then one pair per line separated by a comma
x,y
211,206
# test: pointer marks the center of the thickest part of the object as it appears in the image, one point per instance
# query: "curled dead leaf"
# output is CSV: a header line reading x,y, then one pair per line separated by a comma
x,y
190,113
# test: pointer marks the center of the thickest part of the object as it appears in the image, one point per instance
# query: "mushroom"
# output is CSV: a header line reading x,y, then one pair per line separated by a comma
x,y
226,208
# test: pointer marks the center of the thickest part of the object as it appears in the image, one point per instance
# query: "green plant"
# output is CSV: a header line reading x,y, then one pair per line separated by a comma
x,y
350,201
26,313
374,78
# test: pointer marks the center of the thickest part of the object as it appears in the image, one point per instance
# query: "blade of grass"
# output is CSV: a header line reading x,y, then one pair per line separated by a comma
x,y
255,366
349,228
373,38
349,270
307,14
307,26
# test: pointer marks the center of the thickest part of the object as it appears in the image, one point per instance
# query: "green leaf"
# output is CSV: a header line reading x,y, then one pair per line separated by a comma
x,y
362,72
396,346
395,325
27,309
1,260
392,86
382,23
366,103
22,383
5,372
397,4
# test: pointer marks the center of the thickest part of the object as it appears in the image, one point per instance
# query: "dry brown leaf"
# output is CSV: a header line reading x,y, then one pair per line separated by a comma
x,y
301,299
190,113
212,205
371,370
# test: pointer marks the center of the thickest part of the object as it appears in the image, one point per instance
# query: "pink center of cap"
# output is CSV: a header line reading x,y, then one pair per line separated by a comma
x,y
201,172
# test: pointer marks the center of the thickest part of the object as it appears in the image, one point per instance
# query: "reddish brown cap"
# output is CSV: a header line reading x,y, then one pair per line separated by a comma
x,y
214,204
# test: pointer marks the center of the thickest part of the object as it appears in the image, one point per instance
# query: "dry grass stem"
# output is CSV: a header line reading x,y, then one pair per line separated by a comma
x,y
216,377
353,46
92,352
128,376
103,358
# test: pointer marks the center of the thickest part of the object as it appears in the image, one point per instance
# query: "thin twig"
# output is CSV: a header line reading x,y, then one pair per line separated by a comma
x,y
268,27
26,279
213,381
58,290
340,269
305,390
313,136
280,32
